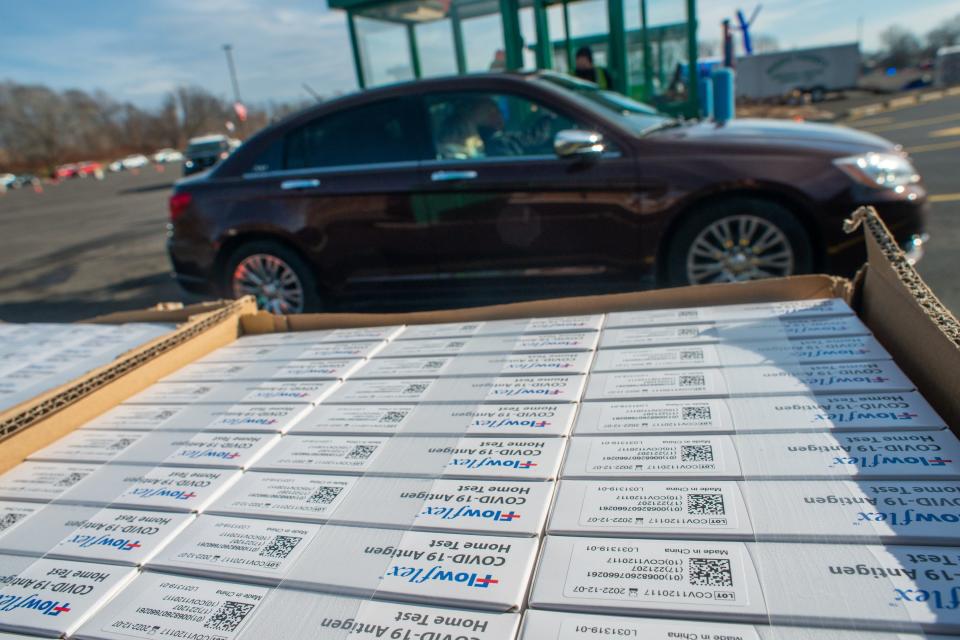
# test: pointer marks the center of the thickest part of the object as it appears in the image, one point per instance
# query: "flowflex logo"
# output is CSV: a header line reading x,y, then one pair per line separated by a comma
x,y
481,463
417,575
877,460
266,422
507,422
859,416
150,492
33,602
525,391
87,541
454,513
906,517
194,454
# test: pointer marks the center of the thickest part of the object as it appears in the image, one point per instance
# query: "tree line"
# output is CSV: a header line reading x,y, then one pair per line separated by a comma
x,y
903,48
41,128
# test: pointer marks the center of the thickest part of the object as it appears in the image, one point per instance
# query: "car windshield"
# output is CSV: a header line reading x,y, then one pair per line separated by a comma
x,y
203,148
640,117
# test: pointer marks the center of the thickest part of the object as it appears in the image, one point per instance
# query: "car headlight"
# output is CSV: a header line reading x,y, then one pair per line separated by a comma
x,y
879,170
189,163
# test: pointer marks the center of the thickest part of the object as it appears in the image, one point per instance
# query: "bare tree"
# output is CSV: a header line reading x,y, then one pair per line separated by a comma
x,y
902,47
946,35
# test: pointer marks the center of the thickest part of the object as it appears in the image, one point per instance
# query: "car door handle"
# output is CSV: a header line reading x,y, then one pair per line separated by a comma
x,y
295,185
449,176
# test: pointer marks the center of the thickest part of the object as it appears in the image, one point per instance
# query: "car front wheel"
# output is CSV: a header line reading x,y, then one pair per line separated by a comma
x,y
737,240
280,280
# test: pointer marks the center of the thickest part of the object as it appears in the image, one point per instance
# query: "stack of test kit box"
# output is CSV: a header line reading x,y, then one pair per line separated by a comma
x,y
755,471
752,464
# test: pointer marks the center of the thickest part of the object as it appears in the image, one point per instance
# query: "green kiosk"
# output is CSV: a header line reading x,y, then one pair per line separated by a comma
x,y
648,46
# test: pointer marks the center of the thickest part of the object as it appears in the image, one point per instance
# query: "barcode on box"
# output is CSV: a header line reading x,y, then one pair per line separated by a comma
x,y
10,519
695,413
710,572
393,417
705,504
361,452
688,332
280,547
692,354
325,495
70,479
433,365
121,444
228,617
693,380
416,388
688,314
696,453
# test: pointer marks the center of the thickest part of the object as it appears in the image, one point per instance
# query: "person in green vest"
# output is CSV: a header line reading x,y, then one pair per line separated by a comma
x,y
585,69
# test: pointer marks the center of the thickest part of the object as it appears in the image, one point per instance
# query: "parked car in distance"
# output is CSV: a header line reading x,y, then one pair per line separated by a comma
x,y
89,168
26,180
205,151
511,177
8,181
65,171
163,156
135,161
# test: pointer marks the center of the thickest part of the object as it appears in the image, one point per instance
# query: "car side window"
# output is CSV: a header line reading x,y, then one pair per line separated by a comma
x,y
384,131
478,124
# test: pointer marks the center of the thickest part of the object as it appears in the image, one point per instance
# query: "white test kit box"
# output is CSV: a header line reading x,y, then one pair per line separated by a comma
x,y
321,336
532,343
495,420
805,351
913,455
836,378
904,411
565,625
230,418
159,488
505,389
93,534
238,352
733,332
152,607
558,324
480,572
493,365
165,448
423,504
53,598
889,512
269,392
260,371
854,586
468,458
42,481
788,309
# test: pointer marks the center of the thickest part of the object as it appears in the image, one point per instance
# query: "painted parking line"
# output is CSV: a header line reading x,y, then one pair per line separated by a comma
x,y
915,123
944,197
873,122
936,146
945,133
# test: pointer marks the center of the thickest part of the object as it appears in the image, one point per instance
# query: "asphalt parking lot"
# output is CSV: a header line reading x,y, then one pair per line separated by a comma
x,y
84,247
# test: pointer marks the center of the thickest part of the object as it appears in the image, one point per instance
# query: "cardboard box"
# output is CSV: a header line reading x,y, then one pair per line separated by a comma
x,y
481,420
561,625
803,351
150,608
294,392
889,512
198,418
458,570
904,411
518,326
846,586
466,458
834,378
421,504
505,389
913,455
733,332
53,598
493,365
259,371
533,343
774,310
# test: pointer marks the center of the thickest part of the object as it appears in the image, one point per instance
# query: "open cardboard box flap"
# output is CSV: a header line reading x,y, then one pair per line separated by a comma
x,y
887,293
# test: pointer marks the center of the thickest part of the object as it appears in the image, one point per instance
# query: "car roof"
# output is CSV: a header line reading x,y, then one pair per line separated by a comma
x,y
215,137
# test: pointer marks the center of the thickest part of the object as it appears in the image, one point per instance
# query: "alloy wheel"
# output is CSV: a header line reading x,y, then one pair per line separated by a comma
x,y
738,248
273,282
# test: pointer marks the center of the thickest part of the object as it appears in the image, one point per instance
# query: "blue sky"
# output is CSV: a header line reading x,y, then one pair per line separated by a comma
x,y
138,49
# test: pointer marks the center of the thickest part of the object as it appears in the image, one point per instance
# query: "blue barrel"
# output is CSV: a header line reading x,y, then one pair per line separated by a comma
x,y
724,100
706,97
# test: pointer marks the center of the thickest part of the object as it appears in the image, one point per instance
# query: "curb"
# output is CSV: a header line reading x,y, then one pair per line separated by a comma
x,y
898,103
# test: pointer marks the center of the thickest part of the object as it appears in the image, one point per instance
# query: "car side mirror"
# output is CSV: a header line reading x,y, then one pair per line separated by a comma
x,y
577,143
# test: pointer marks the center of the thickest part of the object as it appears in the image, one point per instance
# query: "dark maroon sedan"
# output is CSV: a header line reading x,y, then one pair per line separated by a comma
x,y
508,178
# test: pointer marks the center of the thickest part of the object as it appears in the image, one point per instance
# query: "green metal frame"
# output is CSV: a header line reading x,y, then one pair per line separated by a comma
x,y
414,50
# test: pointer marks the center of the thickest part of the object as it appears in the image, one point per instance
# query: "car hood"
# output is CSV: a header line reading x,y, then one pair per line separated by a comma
x,y
822,138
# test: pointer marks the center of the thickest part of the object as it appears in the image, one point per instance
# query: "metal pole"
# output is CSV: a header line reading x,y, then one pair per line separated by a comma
x,y
228,50
544,47
414,53
693,89
617,47
355,45
647,62
458,39
571,62
512,38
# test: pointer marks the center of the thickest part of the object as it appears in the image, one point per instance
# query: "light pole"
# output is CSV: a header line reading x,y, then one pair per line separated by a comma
x,y
237,102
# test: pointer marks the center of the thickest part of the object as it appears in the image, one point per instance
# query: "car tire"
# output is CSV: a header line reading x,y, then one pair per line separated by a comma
x,y
737,239
287,283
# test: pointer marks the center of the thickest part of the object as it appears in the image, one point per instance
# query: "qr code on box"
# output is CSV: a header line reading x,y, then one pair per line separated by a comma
x,y
433,365
693,412
393,417
693,380
361,452
228,617
710,572
705,504
71,479
280,547
416,388
121,444
692,354
696,453
10,519
325,495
